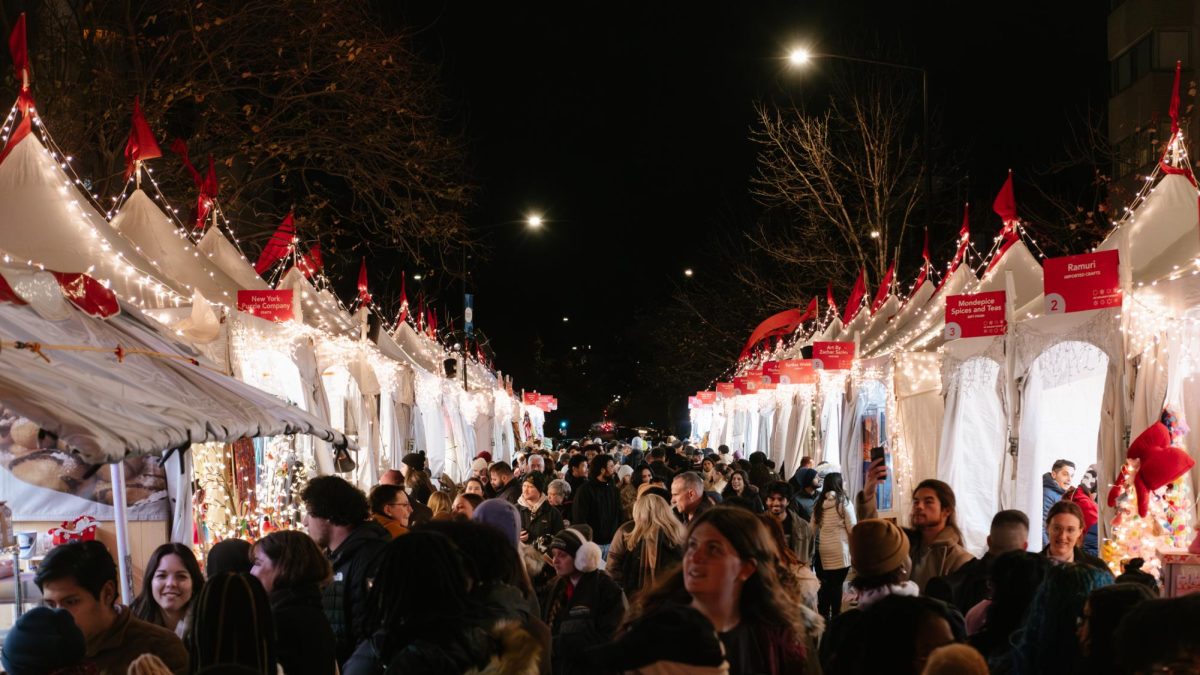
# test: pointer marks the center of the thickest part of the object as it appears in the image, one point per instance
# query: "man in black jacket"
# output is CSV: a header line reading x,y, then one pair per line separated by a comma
x,y
577,472
338,520
968,586
598,502
503,483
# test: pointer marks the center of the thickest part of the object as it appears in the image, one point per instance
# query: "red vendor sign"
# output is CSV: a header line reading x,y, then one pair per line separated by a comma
x,y
725,390
833,355
530,398
746,385
1078,283
269,305
707,397
791,371
975,315
694,402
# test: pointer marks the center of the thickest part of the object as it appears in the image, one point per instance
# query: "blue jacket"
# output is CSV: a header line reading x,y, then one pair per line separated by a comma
x,y
1051,493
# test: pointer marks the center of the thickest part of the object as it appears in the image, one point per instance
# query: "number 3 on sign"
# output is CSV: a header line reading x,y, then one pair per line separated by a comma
x,y
953,331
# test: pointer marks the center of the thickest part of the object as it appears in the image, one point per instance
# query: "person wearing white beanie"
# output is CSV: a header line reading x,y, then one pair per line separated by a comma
x,y
584,606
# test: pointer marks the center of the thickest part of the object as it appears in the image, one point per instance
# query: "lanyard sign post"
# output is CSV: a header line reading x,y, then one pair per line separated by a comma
x,y
975,315
833,355
1078,283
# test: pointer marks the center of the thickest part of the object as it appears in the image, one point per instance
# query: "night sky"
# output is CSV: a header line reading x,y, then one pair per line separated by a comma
x,y
627,125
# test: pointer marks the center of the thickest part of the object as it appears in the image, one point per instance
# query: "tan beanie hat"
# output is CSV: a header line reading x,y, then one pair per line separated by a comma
x,y
877,547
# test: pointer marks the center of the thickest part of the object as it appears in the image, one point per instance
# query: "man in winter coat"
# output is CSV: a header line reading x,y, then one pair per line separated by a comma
x,y
968,586
804,491
506,487
338,520
1054,486
583,607
577,472
936,545
598,502
796,529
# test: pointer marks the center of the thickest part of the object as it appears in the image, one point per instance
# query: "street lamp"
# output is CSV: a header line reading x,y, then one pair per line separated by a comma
x,y
688,272
801,57
534,221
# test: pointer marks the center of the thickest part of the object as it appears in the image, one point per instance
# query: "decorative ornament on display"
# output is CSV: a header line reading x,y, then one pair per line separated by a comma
x,y
1160,462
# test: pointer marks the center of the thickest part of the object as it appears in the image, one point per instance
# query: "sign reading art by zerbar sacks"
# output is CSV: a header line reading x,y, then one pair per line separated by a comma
x,y
1078,283
833,355
269,305
975,315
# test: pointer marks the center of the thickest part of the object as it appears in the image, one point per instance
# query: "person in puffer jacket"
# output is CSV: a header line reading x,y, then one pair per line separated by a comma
x,y
1054,486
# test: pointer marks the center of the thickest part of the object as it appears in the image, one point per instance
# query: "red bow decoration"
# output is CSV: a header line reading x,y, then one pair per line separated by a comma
x,y
141,145
1161,463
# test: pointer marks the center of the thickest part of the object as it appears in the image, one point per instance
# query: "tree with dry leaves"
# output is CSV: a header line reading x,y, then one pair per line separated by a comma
x,y
321,107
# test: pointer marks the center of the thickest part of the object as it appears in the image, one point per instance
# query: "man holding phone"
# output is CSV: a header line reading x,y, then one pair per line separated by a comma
x,y
935,543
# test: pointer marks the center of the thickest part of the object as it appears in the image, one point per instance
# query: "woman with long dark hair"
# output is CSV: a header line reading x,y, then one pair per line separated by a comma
x,y
292,571
833,519
739,487
729,575
172,579
232,629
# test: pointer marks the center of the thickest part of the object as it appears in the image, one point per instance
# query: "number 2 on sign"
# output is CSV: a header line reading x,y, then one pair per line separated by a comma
x,y
1054,305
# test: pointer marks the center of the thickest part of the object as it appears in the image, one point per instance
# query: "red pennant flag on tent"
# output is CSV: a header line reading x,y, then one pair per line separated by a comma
x,y
278,246
1173,111
924,268
403,315
18,47
777,324
179,147
884,287
364,295
1005,204
829,298
311,264
964,240
141,145
811,311
210,179
432,323
856,295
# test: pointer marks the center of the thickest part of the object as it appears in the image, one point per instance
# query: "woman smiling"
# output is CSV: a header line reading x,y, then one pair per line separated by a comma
x,y
171,580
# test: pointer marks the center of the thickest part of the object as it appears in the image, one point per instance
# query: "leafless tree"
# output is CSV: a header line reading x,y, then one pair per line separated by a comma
x,y
323,107
841,185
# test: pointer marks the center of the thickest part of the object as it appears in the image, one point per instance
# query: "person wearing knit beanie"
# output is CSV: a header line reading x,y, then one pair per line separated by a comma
x,y
502,515
42,641
580,594
584,555
414,460
877,548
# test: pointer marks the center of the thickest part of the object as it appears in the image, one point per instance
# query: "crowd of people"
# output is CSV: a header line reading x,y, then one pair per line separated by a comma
x,y
616,558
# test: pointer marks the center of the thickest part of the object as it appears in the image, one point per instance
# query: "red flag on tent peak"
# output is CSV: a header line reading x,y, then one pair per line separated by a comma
x,y
278,246
179,147
403,315
141,145
1005,204
311,264
854,302
811,311
1173,111
210,180
829,298
364,295
884,287
18,47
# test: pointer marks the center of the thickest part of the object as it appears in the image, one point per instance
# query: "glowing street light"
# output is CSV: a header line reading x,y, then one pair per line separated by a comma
x,y
534,221
799,56
688,272
566,319
417,277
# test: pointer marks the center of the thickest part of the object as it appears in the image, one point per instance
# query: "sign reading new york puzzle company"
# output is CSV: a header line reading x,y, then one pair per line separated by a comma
x,y
1078,283
269,305
975,315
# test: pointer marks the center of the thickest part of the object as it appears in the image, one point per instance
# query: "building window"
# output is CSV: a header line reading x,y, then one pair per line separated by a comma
x,y
1140,150
1158,50
1172,46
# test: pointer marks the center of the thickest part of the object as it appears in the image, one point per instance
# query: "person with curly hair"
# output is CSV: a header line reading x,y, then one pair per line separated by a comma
x,y
338,519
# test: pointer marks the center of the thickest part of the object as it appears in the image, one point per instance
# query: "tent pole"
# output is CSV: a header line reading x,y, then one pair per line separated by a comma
x,y
120,515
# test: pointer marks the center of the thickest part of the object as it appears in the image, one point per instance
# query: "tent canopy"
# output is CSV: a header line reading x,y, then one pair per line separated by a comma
x,y
105,404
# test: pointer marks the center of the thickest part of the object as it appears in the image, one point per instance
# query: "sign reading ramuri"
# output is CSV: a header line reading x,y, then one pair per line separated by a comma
x,y
975,315
1078,283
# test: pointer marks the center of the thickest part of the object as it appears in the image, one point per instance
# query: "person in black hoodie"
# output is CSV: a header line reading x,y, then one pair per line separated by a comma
x,y
598,502
577,471
338,520
292,571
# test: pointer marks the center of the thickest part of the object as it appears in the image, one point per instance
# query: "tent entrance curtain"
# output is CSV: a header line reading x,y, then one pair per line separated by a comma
x,y
866,427
1062,400
971,456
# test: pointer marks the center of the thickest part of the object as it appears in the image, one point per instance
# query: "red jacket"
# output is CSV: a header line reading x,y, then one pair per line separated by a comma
x,y
1091,513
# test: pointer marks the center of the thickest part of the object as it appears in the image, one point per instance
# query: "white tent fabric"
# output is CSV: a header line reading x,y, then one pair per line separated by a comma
x,y
880,320
832,397
225,256
868,396
45,221
899,322
106,409
320,308
1160,237
157,237
917,428
971,457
